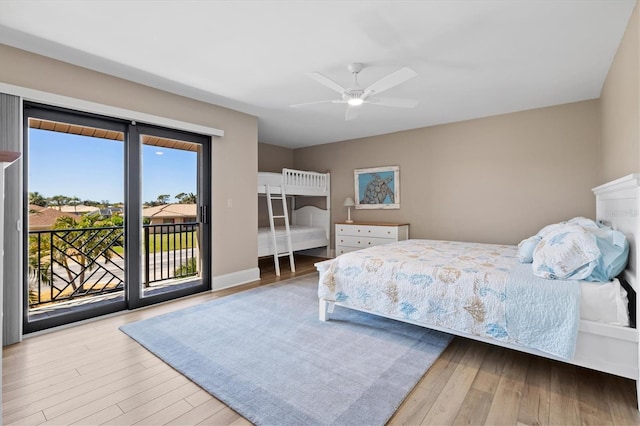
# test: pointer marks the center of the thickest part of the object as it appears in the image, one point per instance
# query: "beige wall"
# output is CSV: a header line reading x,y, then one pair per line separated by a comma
x,y
497,179
272,158
620,107
234,156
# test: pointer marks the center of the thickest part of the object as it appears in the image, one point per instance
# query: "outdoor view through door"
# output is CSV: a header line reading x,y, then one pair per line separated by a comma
x,y
116,215
171,230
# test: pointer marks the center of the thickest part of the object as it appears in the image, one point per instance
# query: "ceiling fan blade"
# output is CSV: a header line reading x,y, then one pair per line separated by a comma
x,y
391,80
311,103
393,102
326,81
352,112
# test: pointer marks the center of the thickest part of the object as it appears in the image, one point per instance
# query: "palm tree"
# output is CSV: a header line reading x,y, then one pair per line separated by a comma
x,y
37,199
58,201
83,247
39,255
163,199
184,198
74,201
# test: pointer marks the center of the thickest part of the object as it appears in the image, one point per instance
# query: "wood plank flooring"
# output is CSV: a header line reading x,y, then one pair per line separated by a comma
x,y
93,374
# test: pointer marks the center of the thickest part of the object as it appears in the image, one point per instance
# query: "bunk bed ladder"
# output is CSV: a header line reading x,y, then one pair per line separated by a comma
x,y
285,216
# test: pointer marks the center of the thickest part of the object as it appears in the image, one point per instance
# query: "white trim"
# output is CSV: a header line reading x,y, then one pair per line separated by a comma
x,y
233,279
631,181
111,111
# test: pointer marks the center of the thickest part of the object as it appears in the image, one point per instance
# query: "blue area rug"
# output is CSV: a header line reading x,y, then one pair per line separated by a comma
x,y
265,354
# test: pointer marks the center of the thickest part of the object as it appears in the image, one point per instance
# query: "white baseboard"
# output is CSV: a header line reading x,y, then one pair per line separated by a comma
x,y
235,278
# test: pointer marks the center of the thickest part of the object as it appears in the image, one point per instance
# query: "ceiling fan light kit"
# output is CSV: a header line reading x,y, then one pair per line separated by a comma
x,y
356,96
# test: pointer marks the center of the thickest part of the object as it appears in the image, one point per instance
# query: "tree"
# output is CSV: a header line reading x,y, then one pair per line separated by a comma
x,y
74,201
81,247
163,199
37,199
184,198
39,255
58,201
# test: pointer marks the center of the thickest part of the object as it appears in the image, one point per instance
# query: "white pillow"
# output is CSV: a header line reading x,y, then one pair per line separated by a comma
x,y
579,220
566,252
584,222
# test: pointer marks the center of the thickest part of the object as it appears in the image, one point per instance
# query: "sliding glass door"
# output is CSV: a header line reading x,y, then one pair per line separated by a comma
x,y
115,214
174,195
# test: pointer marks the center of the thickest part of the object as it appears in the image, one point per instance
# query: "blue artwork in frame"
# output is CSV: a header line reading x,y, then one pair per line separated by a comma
x,y
377,188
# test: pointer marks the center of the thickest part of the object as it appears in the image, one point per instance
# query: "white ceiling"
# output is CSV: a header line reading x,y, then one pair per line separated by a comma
x,y
473,58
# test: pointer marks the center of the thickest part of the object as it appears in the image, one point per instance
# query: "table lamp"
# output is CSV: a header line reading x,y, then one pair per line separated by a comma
x,y
348,203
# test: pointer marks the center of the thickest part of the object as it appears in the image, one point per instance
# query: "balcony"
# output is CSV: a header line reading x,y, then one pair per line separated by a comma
x,y
76,267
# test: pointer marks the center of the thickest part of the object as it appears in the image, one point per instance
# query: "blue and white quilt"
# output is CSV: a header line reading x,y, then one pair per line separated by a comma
x,y
479,289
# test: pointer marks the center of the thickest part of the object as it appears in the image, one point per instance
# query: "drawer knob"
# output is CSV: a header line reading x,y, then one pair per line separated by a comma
x,y
358,242
369,230
358,230
369,242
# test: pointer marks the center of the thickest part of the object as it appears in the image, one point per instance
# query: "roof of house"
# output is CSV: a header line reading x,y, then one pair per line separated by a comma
x,y
35,208
45,217
80,208
170,210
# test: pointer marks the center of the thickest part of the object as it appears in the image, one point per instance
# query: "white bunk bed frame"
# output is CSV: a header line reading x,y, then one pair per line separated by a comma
x,y
602,347
291,183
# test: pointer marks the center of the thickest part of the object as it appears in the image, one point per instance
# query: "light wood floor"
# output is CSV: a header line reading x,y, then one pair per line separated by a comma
x,y
93,374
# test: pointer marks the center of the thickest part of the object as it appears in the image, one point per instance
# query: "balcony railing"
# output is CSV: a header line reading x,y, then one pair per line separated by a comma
x,y
68,264
170,252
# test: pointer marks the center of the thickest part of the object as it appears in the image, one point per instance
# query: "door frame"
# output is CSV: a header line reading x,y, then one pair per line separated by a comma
x,y
132,196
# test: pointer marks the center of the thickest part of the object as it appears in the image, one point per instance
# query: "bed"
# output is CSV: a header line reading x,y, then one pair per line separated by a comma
x,y
310,225
572,333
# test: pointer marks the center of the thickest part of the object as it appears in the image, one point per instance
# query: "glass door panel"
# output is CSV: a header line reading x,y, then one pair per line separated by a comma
x,y
173,228
75,225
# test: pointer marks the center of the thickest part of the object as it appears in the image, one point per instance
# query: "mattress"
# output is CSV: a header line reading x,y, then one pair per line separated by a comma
x,y
302,238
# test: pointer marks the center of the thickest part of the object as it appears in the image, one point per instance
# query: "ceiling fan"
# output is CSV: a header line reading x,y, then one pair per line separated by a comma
x,y
355,96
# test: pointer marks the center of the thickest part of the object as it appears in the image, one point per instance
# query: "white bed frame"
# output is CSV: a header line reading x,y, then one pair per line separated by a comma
x,y
302,183
602,347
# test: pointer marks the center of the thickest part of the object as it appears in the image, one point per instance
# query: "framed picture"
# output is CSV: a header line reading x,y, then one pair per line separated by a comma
x,y
377,187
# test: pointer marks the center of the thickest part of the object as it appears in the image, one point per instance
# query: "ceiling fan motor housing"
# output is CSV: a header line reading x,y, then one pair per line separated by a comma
x,y
353,94
355,67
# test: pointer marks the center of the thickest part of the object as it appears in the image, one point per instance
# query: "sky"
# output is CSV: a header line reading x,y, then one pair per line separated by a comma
x,y
93,168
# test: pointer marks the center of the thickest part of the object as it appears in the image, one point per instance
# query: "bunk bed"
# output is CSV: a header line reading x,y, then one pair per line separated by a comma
x,y
308,227
607,346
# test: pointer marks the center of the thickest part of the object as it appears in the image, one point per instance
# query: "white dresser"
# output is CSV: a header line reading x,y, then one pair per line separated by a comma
x,y
359,235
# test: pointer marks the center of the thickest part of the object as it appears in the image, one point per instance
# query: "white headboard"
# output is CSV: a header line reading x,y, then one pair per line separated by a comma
x,y
312,216
618,205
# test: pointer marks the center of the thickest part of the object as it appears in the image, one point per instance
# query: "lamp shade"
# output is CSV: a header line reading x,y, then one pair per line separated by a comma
x,y
348,202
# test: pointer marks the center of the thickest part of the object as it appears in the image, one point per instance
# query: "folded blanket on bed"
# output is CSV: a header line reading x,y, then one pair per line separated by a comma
x,y
473,288
542,314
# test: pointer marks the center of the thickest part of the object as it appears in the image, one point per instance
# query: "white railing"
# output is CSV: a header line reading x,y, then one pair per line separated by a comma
x,y
304,182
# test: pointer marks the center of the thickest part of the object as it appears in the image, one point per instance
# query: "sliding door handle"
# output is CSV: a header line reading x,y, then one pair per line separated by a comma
x,y
203,214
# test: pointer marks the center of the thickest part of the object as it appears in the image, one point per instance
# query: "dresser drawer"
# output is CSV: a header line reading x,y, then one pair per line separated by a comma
x,y
360,242
343,249
355,236
368,231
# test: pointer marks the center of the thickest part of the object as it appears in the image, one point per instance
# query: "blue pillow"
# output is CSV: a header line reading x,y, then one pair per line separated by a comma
x,y
526,247
614,254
